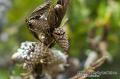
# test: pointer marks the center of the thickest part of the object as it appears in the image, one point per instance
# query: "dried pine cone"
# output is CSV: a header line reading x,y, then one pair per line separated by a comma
x,y
61,38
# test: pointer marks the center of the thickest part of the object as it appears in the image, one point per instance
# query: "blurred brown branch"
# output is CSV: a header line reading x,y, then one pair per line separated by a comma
x,y
98,54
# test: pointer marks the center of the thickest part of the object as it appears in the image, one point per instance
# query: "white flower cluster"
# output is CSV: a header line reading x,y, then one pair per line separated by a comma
x,y
24,52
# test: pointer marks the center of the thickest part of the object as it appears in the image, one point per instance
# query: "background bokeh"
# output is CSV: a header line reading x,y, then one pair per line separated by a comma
x,y
82,16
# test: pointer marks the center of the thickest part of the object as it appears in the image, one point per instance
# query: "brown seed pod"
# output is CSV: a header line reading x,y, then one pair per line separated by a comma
x,y
55,16
40,10
61,38
56,13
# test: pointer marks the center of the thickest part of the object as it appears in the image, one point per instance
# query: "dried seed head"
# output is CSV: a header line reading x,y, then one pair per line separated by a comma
x,y
61,38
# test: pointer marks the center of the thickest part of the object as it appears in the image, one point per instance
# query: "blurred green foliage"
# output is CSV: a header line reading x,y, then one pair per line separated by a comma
x,y
82,14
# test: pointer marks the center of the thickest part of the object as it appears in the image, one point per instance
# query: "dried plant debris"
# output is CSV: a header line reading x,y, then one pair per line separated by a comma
x,y
40,58
32,53
45,21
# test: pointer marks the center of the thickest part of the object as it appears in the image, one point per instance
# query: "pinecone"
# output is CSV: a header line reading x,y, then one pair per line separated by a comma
x,y
61,38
